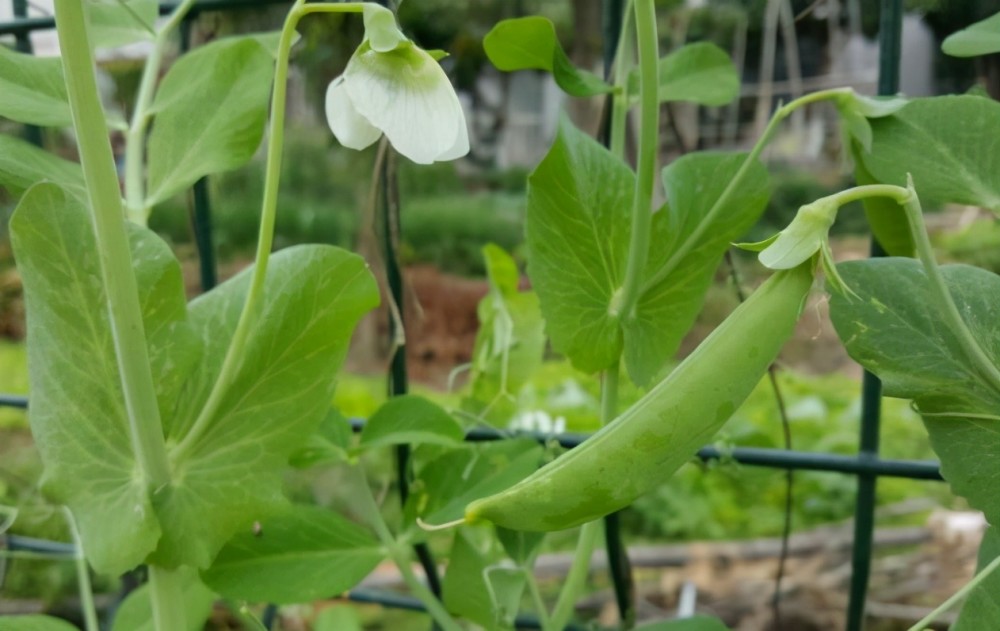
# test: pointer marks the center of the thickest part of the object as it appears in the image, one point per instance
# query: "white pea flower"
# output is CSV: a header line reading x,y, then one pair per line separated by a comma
x,y
392,86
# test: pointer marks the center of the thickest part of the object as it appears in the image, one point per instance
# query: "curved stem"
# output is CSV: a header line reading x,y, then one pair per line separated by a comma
x,y
649,140
82,576
974,352
907,198
135,140
590,535
536,598
981,576
400,554
272,177
114,255
765,138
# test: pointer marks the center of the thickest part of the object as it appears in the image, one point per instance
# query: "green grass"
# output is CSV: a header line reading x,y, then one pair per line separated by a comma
x,y
13,380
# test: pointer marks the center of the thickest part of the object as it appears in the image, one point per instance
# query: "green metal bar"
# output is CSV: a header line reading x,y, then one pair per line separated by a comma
x,y
25,25
22,43
398,377
752,456
890,37
201,209
619,565
201,223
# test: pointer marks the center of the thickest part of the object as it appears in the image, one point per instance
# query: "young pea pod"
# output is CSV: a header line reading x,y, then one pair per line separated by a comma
x,y
654,437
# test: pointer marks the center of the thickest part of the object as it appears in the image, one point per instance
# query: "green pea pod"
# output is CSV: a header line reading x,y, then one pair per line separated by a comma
x,y
654,437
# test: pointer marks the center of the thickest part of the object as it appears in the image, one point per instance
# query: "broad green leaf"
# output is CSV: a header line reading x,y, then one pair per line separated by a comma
x,y
78,414
694,623
410,419
579,206
116,23
982,607
446,484
210,111
328,445
530,43
946,143
967,447
338,618
981,38
509,344
464,590
312,300
686,247
885,217
701,73
33,90
22,165
896,330
35,623
577,232
136,612
300,555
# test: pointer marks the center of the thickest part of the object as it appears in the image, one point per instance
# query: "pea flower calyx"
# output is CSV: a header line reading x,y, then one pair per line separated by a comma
x,y
393,87
807,235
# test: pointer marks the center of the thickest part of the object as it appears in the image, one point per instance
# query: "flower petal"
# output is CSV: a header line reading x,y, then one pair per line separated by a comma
x,y
380,28
461,144
407,95
351,128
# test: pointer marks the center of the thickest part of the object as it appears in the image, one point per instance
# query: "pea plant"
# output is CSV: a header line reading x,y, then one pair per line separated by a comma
x,y
166,427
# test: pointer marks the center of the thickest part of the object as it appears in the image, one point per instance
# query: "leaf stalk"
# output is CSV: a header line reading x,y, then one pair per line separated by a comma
x,y
265,238
114,255
135,139
649,142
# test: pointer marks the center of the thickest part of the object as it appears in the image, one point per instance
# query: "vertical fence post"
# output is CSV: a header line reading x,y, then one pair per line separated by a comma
x,y
890,29
201,210
619,566
22,43
398,377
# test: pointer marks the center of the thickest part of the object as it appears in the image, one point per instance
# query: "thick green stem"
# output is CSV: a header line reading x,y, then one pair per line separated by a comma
x,y
135,139
265,238
590,535
958,596
400,554
609,394
166,592
765,138
112,244
649,141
